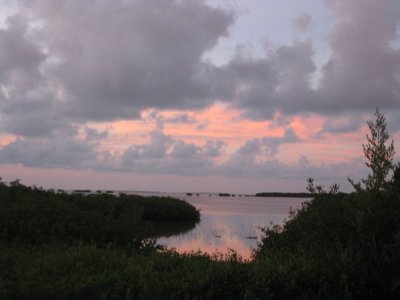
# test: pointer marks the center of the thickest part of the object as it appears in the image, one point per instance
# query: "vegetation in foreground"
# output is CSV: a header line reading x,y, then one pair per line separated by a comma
x,y
336,246
35,216
341,246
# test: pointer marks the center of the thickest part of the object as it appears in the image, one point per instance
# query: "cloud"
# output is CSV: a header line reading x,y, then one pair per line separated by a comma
x,y
147,55
242,166
363,70
165,155
343,124
264,147
392,118
213,148
70,63
28,104
277,82
156,149
250,148
34,114
181,118
94,135
161,120
272,143
20,58
177,157
55,153
302,22
255,158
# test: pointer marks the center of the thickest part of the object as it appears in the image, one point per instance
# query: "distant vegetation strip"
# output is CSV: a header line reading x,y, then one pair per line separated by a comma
x,y
284,195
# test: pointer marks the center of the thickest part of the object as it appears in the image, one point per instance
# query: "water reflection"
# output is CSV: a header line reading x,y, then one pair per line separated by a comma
x,y
230,222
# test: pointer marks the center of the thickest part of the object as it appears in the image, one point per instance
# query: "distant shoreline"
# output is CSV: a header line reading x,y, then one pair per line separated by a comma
x,y
261,194
284,195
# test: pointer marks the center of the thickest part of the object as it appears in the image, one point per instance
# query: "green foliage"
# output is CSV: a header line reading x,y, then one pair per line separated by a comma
x,y
319,189
72,246
379,154
35,216
330,246
86,271
340,246
67,272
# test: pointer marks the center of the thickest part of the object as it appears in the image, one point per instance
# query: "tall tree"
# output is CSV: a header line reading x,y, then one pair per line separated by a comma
x,y
379,154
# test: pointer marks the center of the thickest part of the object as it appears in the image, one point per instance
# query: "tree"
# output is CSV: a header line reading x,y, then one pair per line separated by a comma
x,y
319,189
379,155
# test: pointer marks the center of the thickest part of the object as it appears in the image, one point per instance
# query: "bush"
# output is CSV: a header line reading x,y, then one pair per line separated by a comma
x,y
36,216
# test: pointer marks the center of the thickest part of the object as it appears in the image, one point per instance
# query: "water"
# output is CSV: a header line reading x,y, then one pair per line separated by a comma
x,y
230,222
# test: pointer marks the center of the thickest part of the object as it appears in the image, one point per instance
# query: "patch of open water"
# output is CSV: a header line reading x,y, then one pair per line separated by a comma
x,y
230,222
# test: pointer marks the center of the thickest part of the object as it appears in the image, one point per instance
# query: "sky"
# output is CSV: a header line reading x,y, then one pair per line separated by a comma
x,y
194,95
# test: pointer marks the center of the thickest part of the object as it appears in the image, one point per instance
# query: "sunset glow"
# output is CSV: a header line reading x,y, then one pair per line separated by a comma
x,y
222,95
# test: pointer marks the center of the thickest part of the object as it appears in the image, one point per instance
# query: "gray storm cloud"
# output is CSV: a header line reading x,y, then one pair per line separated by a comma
x,y
108,60
363,70
50,153
116,58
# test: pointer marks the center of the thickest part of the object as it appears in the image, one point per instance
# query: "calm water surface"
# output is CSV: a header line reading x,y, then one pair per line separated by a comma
x,y
230,222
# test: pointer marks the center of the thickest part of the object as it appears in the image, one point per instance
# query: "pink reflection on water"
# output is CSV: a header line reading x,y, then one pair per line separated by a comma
x,y
231,223
211,247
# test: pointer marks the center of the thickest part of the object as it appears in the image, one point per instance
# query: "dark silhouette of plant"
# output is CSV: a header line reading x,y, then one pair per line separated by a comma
x,y
319,189
379,154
